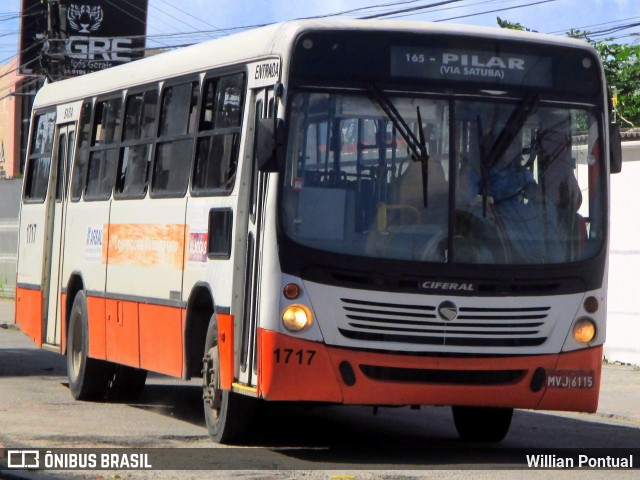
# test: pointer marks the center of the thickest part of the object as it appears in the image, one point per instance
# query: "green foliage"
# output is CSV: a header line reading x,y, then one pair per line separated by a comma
x,y
621,67
622,70
512,26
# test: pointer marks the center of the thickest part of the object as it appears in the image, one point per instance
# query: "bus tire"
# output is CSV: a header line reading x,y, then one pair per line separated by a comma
x,y
482,424
88,377
228,415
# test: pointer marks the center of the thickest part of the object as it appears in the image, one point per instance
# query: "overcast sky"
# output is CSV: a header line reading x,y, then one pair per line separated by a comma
x,y
169,18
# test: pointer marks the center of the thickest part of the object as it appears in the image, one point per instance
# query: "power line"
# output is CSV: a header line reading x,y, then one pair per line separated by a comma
x,y
359,9
141,10
192,16
613,29
586,27
495,10
5,74
24,50
411,10
138,19
447,8
26,83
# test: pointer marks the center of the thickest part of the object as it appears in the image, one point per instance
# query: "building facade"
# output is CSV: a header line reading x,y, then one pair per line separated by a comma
x,y
9,122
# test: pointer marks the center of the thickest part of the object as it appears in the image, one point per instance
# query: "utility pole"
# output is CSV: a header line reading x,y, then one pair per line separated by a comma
x,y
52,56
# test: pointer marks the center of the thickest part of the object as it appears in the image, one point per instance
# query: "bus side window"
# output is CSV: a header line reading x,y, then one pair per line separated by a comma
x,y
37,172
79,177
103,156
138,137
175,140
219,135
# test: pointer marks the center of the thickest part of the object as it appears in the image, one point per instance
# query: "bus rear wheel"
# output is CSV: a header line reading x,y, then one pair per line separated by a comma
x,y
88,377
482,424
227,414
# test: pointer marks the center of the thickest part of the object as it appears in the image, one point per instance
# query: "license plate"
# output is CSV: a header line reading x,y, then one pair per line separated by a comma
x,y
570,379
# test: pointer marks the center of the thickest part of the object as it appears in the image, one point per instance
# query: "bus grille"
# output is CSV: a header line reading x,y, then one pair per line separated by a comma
x,y
420,324
450,377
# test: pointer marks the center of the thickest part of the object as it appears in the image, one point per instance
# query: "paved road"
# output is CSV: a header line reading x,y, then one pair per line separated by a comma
x,y
37,411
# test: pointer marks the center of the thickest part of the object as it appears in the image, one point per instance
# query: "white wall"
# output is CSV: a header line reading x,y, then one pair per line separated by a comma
x,y
623,327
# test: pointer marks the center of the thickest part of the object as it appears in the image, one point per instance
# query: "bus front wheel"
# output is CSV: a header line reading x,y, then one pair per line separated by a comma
x,y
227,414
482,424
88,377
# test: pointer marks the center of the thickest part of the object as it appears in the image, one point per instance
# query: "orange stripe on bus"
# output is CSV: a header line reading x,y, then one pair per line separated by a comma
x,y
373,390
97,328
295,369
123,342
286,375
161,343
29,313
63,323
225,349
576,400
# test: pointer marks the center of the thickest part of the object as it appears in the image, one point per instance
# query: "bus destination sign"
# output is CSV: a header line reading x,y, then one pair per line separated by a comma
x,y
472,66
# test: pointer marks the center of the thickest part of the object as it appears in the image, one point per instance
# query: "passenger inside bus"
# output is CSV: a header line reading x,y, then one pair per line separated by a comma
x,y
504,200
558,183
521,197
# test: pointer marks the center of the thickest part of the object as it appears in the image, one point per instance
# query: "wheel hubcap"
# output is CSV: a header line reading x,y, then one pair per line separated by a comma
x,y
76,350
211,392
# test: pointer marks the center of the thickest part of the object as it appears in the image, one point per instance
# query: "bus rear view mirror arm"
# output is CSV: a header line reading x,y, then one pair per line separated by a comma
x,y
615,148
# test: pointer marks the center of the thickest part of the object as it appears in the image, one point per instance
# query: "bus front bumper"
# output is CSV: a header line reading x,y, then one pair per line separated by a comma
x,y
292,369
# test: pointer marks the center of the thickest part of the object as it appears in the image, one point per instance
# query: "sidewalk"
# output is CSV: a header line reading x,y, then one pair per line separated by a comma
x,y
7,312
620,393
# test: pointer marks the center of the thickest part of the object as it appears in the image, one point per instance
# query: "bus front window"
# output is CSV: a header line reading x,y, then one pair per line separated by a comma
x,y
529,188
526,186
351,186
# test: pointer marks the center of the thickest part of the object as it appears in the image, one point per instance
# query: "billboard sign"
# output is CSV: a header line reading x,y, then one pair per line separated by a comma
x,y
93,35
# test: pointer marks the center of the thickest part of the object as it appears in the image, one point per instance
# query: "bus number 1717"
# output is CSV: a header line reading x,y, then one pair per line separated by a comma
x,y
286,355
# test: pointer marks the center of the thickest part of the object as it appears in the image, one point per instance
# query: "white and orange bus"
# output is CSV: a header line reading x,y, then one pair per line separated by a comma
x,y
360,212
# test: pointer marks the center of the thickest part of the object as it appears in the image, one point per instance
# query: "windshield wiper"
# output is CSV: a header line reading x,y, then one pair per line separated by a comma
x,y
416,145
484,171
489,159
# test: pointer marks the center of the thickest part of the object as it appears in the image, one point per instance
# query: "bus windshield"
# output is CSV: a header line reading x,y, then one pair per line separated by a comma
x,y
508,181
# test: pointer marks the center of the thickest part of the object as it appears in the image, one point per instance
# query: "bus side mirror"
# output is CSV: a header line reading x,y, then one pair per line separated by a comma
x,y
268,146
615,148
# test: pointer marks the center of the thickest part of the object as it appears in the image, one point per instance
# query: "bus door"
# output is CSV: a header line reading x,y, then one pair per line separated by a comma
x,y
264,108
61,161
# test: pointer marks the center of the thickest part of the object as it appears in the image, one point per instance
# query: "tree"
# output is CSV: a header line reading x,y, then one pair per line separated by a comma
x,y
512,26
621,67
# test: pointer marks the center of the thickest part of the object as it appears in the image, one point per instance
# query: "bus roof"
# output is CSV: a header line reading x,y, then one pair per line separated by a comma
x,y
276,39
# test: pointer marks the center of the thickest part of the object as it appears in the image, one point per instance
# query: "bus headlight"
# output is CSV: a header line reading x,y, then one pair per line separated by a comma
x,y
584,330
297,317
